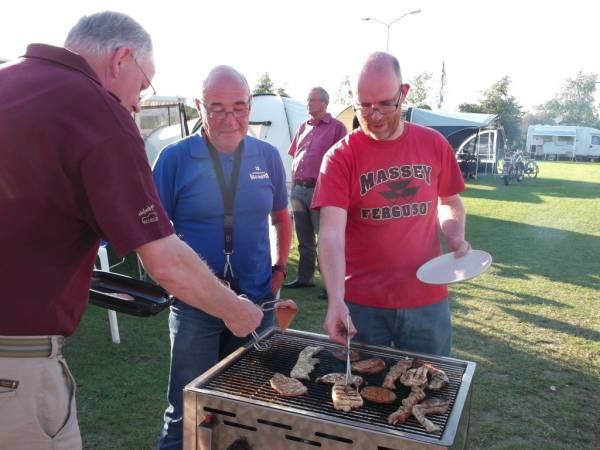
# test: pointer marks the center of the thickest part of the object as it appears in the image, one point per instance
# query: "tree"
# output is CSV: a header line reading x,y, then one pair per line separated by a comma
x,y
264,85
419,89
575,103
497,100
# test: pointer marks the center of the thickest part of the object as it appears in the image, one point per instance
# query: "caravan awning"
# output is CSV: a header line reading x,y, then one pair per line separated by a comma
x,y
448,119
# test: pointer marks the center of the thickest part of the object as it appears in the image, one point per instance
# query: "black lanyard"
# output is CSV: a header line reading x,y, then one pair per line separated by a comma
x,y
228,194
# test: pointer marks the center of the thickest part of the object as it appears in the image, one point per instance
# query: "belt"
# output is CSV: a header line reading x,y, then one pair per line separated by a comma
x,y
31,346
305,183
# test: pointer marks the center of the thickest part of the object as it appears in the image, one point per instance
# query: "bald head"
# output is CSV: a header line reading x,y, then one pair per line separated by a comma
x,y
224,76
379,64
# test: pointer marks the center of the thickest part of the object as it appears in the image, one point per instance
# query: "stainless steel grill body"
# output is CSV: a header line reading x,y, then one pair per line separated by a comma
x,y
235,395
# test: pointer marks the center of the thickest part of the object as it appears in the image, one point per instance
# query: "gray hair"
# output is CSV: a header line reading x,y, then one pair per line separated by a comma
x,y
322,93
104,32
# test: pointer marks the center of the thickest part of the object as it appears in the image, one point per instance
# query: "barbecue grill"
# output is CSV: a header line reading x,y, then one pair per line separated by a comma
x,y
234,402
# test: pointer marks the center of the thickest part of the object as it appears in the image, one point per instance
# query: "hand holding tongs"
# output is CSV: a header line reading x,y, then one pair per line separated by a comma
x,y
348,366
264,307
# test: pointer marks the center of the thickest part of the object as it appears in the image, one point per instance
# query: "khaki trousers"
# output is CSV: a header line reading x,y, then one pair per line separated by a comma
x,y
37,403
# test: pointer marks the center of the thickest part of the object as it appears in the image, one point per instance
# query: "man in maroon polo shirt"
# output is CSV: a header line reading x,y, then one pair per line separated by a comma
x,y
313,139
73,170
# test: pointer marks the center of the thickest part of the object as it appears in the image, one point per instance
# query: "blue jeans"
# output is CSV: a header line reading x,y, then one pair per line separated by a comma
x,y
198,342
426,329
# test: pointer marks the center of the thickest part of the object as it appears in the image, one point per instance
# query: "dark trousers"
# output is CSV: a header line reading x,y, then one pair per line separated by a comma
x,y
306,223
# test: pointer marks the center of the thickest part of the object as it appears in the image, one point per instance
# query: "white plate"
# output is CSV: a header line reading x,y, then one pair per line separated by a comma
x,y
446,269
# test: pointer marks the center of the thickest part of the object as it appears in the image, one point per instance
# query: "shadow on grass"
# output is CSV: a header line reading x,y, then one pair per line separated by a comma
x,y
554,399
521,251
529,190
505,297
553,324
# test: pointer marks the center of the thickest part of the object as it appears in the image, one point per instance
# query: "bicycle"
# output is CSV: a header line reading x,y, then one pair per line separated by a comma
x,y
512,168
531,167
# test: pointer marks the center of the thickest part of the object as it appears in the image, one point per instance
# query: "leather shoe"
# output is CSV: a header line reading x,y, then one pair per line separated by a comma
x,y
323,294
298,284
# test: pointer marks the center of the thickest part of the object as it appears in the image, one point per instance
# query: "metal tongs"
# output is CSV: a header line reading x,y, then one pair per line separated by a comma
x,y
348,366
266,306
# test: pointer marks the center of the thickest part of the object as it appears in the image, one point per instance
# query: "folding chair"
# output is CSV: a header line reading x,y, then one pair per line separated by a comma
x,y
112,315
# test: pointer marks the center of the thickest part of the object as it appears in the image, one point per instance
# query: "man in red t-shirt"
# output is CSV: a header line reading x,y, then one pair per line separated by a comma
x,y
384,192
73,170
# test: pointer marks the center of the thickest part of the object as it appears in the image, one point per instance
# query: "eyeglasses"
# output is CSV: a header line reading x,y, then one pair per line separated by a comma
x,y
239,111
386,107
149,92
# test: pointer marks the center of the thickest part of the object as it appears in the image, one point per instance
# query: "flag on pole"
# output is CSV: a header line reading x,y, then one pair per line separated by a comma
x,y
442,86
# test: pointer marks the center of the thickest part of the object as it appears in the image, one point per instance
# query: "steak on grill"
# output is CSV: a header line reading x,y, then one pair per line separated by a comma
x,y
345,398
378,394
371,365
286,386
430,406
395,372
340,353
415,377
402,414
285,311
306,363
339,378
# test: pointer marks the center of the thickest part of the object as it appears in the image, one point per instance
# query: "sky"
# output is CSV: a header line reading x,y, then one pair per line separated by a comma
x,y
538,44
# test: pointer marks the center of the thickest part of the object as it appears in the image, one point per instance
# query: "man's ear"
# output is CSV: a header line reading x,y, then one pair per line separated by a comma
x,y
404,89
198,106
118,57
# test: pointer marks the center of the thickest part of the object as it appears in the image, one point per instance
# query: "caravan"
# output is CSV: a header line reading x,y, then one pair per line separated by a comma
x,y
562,141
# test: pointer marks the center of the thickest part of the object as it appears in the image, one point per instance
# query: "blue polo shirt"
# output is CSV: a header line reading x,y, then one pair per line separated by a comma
x,y
189,191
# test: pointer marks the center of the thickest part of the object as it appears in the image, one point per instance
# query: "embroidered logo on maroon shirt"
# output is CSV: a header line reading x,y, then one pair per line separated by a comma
x,y
148,215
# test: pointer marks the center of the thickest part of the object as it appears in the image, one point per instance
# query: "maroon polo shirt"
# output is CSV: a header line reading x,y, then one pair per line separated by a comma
x,y
72,170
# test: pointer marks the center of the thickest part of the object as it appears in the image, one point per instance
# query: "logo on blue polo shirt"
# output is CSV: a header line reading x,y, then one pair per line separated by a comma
x,y
258,174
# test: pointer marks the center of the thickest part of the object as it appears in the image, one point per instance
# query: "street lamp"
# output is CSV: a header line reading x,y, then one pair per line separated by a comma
x,y
388,25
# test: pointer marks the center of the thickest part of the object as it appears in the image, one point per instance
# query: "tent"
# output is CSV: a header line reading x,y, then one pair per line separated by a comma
x,y
472,135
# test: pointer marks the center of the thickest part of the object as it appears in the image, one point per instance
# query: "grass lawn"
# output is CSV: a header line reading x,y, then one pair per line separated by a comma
x,y
531,323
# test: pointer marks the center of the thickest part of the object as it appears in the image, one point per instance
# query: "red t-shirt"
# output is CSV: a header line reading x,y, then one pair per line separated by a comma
x,y
390,190
73,170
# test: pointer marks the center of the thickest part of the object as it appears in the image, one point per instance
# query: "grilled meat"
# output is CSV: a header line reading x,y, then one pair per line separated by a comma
x,y
437,378
285,311
378,394
415,377
416,395
430,406
400,416
345,398
339,378
306,363
286,386
396,372
340,353
372,365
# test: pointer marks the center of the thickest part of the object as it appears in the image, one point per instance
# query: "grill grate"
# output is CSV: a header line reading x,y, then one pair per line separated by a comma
x,y
247,378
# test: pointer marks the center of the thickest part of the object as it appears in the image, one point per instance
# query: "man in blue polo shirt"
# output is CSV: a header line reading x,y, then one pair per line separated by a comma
x,y
219,189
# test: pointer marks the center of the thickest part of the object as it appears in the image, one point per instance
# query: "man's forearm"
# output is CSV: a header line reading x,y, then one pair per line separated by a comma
x,y
177,268
452,218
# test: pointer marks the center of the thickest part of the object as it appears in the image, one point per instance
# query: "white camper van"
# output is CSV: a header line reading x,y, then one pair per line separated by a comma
x,y
563,142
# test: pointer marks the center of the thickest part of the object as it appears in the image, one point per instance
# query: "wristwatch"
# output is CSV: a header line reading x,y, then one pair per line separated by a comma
x,y
279,268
